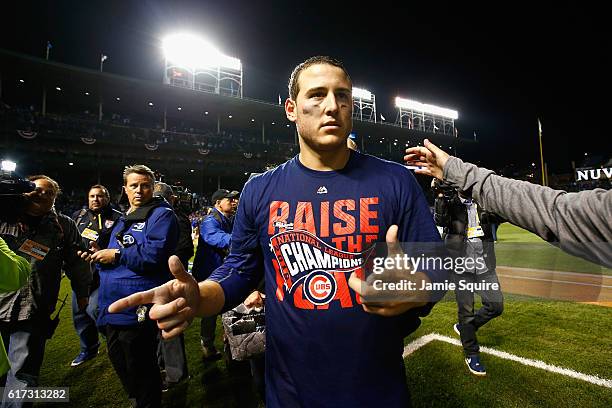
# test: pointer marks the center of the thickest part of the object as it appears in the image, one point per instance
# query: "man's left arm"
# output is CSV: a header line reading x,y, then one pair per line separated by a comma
x,y
412,234
419,237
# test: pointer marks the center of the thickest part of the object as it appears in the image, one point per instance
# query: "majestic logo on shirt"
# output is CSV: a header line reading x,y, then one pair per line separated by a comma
x,y
108,224
322,190
284,225
307,262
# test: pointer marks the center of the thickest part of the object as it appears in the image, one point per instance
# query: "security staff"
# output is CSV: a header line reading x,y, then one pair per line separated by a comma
x,y
95,224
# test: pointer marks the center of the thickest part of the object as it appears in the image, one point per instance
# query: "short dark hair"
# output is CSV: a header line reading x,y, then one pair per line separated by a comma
x,y
56,188
163,190
101,187
294,88
138,169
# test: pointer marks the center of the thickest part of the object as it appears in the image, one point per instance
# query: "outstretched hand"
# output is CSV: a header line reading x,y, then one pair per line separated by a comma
x,y
175,303
429,157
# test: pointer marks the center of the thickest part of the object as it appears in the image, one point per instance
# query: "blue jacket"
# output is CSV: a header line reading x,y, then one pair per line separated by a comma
x,y
213,244
146,238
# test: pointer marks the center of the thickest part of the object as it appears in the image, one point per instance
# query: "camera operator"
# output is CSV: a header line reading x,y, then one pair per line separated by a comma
x,y
49,241
467,236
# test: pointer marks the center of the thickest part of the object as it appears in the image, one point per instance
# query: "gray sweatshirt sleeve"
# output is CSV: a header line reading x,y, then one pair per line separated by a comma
x,y
579,223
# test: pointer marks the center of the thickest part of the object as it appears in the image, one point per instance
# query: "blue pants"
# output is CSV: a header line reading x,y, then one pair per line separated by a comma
x,y
85,323
25,345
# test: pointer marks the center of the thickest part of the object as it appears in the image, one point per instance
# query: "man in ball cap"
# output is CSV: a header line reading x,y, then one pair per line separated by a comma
x,y
213,246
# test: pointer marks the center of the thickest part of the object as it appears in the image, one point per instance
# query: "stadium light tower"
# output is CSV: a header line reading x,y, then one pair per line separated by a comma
x,y
192,62
425,117
364,105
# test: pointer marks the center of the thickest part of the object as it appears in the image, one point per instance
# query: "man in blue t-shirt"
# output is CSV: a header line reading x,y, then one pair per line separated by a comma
x,y
305,226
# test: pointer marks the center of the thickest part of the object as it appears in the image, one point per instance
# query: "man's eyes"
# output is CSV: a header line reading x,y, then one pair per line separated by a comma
x,y
339,95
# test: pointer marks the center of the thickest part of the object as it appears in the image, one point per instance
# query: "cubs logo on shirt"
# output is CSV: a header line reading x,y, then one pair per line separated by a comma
x,y
306,261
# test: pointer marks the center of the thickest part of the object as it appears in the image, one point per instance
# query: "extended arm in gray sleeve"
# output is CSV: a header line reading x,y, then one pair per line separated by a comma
x,y
579,223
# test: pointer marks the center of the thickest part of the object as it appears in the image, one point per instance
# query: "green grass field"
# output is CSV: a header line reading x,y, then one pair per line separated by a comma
x,y
517,247
569,335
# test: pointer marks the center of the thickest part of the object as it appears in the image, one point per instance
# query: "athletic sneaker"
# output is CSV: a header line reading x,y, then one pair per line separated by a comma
x,y
456,329
83,357
475,366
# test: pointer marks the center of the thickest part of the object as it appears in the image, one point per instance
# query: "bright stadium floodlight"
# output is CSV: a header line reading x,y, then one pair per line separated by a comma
x,y
190,51
364,105
192,62
8,165
426,108
362,93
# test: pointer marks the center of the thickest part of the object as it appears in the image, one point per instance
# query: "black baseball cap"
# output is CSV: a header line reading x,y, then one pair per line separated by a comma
x,y
223,193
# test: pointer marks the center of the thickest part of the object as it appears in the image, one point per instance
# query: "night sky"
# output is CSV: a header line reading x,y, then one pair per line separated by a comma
x,y
500,64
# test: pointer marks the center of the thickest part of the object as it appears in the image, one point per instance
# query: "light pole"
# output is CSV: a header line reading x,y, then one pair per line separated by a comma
x,y
102,59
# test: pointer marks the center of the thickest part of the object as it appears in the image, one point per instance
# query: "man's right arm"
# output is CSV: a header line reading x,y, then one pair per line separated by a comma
x,y
178,301
243,268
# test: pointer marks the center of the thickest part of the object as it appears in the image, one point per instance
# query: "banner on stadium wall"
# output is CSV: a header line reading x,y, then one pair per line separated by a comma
x,y
585,174
26,134
151,147
203,152
88,140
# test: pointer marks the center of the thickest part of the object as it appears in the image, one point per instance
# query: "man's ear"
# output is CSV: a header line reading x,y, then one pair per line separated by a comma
x,y
291,109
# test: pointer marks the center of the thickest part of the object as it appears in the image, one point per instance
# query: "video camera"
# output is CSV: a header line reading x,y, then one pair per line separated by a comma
x,y
440,187
12,199
184,198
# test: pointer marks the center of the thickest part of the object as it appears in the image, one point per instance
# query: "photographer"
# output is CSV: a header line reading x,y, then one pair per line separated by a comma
x,y
467,236
49,241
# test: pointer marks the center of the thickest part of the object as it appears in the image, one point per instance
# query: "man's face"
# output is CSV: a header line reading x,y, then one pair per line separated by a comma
x,y
97,199
228,205
322,110
139,189
41,200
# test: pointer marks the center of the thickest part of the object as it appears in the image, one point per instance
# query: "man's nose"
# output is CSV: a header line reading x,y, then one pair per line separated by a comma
x,y
331,104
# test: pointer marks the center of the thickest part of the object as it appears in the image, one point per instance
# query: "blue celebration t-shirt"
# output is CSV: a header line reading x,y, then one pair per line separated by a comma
x,y
306,231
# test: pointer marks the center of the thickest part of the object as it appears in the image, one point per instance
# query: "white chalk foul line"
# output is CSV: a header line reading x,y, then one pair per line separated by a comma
x,y
593,379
